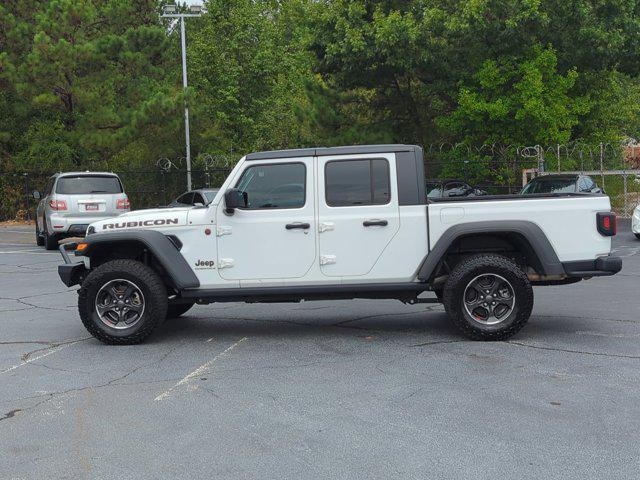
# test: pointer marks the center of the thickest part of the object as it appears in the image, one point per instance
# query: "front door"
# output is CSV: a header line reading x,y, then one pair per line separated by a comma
x,y
274,237
358,212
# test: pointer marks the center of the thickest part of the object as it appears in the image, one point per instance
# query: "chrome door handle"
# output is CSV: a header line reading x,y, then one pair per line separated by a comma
x,y
291,226
375,223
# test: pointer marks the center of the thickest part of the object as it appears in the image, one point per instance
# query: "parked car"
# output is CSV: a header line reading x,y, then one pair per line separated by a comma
x,y
635,222
338,223
203,196
451,188
558,183
73,200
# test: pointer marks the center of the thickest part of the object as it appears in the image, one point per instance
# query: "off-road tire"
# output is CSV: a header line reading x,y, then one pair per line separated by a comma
x,y
155,301
50,241
469,269
39,236
176,309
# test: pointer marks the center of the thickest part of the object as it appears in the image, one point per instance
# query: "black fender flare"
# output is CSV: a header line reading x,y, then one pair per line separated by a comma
x,y
548,262
158,244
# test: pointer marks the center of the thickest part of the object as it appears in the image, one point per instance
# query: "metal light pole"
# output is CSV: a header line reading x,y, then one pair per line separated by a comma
x,y
170,11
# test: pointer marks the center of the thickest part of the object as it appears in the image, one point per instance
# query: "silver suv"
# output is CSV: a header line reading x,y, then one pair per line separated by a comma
x,y
73,200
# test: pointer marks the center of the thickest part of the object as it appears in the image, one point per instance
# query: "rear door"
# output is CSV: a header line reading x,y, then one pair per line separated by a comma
x,y
274,237
358,212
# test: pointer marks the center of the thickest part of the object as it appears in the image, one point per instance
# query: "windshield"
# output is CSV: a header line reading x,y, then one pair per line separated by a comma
x,y
550,185
87,184
210,195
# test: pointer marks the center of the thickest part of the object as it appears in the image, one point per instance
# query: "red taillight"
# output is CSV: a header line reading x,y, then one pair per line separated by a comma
x,y
58,204
607,223
123,204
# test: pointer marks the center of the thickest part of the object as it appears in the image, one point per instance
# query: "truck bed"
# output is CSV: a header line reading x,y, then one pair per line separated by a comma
x,y
568,219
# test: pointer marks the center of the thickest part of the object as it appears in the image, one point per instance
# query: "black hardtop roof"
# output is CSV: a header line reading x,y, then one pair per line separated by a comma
x,y
324,151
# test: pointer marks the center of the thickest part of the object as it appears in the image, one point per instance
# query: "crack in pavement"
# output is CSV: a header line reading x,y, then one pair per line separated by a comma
x,y
29,342
10,414
25,357
567,350
367,317
51,395
575,317
59,369
439,342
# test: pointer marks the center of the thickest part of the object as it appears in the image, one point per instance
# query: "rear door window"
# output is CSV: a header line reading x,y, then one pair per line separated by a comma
x,y
88,184
357,182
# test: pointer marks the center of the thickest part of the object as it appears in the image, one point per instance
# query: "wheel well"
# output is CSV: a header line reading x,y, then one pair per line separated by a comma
x,y
510,244
130,250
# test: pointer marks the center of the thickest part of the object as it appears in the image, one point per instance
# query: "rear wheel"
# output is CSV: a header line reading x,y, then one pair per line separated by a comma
x,y
122,302
637,235
177,309
39,236
50,240
488,297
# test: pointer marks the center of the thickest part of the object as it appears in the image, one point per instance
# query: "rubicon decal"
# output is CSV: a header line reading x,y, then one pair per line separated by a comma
x,y
204,264
141,223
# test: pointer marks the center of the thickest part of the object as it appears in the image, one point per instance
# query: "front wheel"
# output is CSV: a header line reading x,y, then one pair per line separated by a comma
x,y
637,235
122,302
488,297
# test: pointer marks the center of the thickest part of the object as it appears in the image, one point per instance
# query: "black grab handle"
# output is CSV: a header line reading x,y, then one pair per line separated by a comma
x,y
291,226
375,223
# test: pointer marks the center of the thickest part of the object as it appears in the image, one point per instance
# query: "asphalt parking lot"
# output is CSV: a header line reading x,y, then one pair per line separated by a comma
x,y
349,389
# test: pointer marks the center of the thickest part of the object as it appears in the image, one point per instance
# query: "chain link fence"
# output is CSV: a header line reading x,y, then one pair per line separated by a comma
x,y
496,169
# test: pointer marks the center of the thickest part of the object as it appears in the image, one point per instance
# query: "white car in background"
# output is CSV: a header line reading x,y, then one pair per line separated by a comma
x,y
635,222
73,200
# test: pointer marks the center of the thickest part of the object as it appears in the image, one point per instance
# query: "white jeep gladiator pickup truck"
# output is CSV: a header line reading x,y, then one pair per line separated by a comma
x,y
338,223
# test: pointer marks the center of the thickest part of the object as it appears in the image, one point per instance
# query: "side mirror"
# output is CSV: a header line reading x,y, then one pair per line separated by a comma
x,y
36,195
234,198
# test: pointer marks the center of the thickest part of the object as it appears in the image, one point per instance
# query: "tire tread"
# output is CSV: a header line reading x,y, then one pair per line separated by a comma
x,y
452,301
156,306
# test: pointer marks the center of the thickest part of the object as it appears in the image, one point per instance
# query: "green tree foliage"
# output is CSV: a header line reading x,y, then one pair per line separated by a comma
x,y
97,83
87,81
429,66
518,101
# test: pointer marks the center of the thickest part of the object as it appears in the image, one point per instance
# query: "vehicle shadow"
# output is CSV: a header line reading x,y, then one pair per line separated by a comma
x,y
196,326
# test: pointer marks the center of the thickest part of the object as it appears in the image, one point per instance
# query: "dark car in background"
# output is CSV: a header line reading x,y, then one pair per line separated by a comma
x,y
451,188
202,196
555,183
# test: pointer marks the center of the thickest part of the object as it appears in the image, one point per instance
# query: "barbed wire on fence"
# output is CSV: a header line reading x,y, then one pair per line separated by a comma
x,y
498,166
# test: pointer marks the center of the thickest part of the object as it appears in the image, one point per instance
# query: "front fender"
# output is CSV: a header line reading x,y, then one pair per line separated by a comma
x,y
157,243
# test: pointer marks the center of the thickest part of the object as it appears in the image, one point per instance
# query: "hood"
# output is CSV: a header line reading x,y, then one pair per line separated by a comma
x,y
155,218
